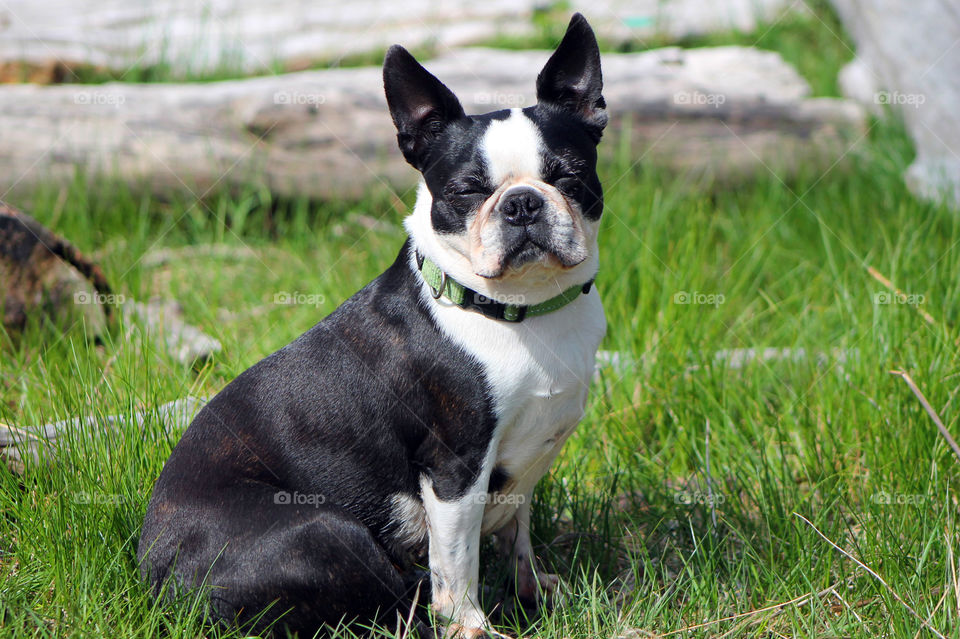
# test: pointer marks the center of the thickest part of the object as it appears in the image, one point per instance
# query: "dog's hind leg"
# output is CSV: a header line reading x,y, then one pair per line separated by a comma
x,y
325,569
532,584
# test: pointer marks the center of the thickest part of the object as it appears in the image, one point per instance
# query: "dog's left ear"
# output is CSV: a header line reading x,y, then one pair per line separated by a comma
x,y
421,106
572,80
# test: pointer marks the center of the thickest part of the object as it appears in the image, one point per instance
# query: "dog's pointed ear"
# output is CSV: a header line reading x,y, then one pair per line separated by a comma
x,y
572,80
420,105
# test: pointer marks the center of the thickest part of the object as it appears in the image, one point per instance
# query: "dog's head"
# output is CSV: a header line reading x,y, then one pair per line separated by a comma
x,y
510,200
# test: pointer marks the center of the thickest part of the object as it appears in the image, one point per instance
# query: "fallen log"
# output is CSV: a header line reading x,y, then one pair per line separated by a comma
x,y
163,320
22,445
256,36
18,444
321,134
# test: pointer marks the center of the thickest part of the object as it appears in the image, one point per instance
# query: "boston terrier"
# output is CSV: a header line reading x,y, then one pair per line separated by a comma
x,y
420,414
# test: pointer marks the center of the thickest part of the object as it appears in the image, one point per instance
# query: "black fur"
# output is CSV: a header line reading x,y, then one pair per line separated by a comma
x,y
279,494
421,106
442,142
353,412
572,81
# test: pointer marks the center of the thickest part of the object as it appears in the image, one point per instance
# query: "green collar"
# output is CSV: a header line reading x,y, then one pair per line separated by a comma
x,y
442,285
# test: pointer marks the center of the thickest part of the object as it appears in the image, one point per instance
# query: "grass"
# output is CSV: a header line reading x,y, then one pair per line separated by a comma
x,y
626,515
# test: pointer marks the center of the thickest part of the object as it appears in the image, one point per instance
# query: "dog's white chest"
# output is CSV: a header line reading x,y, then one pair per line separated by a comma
x,y
539,373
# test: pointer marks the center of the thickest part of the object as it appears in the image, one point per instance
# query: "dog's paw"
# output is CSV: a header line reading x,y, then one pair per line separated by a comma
x,y
533,587
459,631
466,622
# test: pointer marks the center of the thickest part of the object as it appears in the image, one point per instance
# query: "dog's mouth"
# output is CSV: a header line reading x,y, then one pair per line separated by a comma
x,y
534,244
526,252
501,245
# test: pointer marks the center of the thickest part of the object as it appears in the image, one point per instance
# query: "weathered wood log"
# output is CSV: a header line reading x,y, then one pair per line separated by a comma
x,y
322,134
908,61
36,443
164,320
732,359
18,444
258,36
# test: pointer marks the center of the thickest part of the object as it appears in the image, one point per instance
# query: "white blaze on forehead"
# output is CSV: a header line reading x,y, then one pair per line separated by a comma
x,y
512,147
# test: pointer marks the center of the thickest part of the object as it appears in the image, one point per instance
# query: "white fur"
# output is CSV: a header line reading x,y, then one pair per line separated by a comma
x,y
513,150
538,370
409,514
451,254
454,552
512,147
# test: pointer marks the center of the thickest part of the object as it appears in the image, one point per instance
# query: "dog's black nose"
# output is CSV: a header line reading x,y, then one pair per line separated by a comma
x,y
521,206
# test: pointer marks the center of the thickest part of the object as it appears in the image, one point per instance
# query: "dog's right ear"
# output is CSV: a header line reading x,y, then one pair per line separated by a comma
x,y
421,106
572,81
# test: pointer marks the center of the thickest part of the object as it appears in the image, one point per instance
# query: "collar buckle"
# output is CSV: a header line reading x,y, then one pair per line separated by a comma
x,y
437,292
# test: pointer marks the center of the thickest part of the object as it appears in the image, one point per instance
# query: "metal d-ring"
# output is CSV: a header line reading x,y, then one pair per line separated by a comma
x,y
437,292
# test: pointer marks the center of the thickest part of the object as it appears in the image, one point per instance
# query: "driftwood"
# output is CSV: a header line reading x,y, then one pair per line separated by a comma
x,y
732,359
257,36
164,320
908,60
19,445
321,134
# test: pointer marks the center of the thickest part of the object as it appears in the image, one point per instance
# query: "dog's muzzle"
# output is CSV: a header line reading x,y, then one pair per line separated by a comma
x,y
521,205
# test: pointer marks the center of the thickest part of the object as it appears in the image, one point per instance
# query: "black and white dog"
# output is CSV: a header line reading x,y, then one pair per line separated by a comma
x,y
420,414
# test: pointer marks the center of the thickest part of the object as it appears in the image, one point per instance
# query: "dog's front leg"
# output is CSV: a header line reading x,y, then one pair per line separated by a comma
x,y
454,554
514,541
